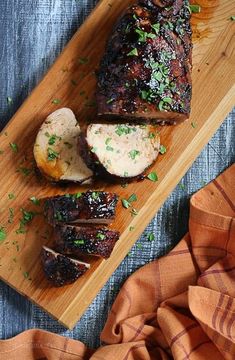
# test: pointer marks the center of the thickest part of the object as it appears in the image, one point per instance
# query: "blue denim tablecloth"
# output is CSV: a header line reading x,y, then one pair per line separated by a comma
x,y
32,35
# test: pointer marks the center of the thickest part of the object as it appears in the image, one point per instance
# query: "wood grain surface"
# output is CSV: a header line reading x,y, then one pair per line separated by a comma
x,y
213,69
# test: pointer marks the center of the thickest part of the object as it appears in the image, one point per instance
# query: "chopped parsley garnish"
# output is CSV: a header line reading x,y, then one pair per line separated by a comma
x,y
77,195
181,186
125,203
27,216
194,125
95,195
51,154
79,242
232,18
133,154
34,200
24,171
132,198
11,215
11,196
14,147
93,149
107,141
131,228
83,60
162,149
26,274
133,52
195,8
156,28
124,130
9,100
143,35
125,174
134,212
3,234
151,237
109,148
56,101
52,138
109,101
152,176
100,236
151,135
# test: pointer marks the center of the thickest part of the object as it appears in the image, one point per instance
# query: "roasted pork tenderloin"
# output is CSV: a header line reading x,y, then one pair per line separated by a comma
x,y
77,241
91,207
120,151
145,73
55,149
59,269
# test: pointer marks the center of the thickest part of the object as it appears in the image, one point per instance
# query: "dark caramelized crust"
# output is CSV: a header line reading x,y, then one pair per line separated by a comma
x,y
60,269
145,73
89,207
85,240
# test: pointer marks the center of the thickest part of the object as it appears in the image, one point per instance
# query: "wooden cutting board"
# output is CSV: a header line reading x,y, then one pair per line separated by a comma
x,y
71,82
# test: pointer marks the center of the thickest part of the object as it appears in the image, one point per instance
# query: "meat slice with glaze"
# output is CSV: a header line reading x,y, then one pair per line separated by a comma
x,y
60,269
118,150
89,207
78,241
145,73
55,149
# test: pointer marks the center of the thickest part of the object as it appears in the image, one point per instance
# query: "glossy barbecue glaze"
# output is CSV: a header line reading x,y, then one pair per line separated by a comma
x,y
145,73
88,207
78,241
59,269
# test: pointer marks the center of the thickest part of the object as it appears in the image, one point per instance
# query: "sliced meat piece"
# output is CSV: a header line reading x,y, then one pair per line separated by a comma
x,y
85,240
60,269
89,207
118,150
145,73
55,149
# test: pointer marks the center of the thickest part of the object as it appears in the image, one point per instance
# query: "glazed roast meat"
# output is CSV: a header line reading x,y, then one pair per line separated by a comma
x,y
60,269
145,73
89,207
121,151
78,241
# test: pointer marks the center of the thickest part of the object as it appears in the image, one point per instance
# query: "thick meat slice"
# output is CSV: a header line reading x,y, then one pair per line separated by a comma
x,y
118,150
85,240
60,269
89,207
55,149
145,73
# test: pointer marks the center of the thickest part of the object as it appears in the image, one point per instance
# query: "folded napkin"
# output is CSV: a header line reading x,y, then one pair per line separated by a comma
x,y
181,306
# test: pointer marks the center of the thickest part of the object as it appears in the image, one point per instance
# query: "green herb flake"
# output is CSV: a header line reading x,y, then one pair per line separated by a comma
x,y
132,198
26,274
134,212
51,154
53,139
14,147
109,101
181,186
107,141
11,215
56,101
11,196
100,236
162,149
151,236
79,242
27,216
131,228
77,195
153,176
195,9
95,195
24,171
125,203
34,200
194,125
9,100
93,149
133,52
232,17
133,154
83,60
139,246
151,135
109,148
3,234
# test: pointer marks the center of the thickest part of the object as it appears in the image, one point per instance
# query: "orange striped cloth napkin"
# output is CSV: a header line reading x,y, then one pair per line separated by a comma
x,y
181,306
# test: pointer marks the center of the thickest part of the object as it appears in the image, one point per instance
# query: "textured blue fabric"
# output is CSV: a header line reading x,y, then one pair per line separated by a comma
x,y
32,35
